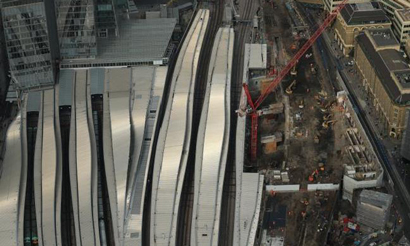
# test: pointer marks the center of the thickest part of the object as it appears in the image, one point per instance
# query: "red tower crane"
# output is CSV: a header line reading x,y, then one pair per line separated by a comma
x,y
255,105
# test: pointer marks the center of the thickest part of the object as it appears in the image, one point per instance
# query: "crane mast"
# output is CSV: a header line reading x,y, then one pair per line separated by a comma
x,y
255,105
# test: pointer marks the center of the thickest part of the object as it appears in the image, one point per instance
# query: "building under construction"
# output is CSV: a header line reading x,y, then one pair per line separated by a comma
x,y
373,209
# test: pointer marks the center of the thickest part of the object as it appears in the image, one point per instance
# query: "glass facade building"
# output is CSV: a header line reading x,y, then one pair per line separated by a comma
x,y
76,28
106,18
31,49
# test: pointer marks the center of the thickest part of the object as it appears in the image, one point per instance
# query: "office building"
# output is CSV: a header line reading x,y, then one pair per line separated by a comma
x,y
30,36
354,18
401,24
373,209
386,78
76,28
106,18
390,6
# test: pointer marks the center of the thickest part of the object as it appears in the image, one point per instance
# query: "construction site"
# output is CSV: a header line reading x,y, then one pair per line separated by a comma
x,y
309,138
239,125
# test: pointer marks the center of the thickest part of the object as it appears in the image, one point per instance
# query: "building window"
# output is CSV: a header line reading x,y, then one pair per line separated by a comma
x,y
103,33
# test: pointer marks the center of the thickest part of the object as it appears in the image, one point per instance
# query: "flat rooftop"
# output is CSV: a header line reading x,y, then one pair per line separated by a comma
x,y
363,6
384,63
379,199
404,78
383,37
404,14
258,54
140,41
364,13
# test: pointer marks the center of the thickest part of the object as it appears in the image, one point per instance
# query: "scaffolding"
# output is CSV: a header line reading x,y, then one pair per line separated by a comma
x,y
373,209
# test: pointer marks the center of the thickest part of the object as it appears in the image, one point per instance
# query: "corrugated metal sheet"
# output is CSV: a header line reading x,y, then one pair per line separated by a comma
x,y
119,80
97,80
33,101
48,170
37,170
212,143
10,184
66,83
249,186
131,46
108,158
83,161
174,139
72,159
252,187
24,167
142,83
258,56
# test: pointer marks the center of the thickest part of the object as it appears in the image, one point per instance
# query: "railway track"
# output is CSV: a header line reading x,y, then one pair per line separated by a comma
x,y
187,197
229,191
146,220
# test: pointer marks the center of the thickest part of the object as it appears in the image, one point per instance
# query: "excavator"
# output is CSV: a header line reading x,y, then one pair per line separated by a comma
x,y
326,124
313,175
327,117
291,87
301,103
293,72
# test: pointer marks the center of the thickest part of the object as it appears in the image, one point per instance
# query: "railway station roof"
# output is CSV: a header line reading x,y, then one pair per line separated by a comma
x,y
258,54
139,41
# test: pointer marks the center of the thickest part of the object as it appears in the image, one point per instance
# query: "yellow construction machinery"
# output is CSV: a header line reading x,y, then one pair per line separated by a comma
x,y
326,124
293,72
301,103
321,166
291,87
327,117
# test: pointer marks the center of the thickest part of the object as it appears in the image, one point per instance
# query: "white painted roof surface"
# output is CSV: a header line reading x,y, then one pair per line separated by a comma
x,y
24,164
174,138
130,45
258,56
48,169
147,84
147,90
119,89
212,143
251,198
10,185
83,160
249,186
